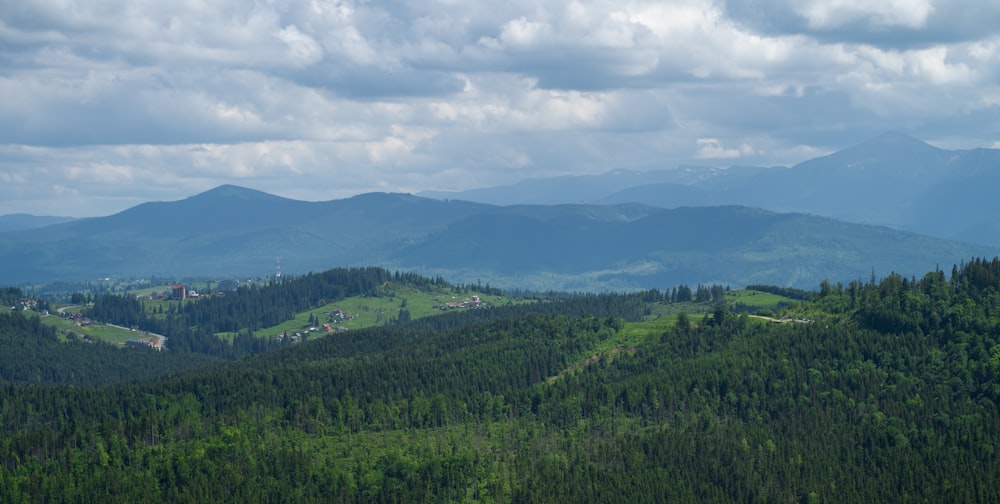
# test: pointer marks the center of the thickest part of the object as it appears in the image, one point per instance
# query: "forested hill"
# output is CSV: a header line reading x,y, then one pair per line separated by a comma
x,y
881,391
33,353
893,180
237,232
193,326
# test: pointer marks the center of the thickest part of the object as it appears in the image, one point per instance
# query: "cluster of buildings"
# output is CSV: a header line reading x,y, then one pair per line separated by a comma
x,y
27,304
470,302
79,319
176,293
138,343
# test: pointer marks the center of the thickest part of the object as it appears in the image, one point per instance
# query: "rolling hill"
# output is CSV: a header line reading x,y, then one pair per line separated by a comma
x,y
233,231
876,392
17,222
892,180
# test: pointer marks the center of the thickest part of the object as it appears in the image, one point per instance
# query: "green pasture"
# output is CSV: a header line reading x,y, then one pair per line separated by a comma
x,y
376,311
150,291
97,332
634,333
109,334
758,299
663,316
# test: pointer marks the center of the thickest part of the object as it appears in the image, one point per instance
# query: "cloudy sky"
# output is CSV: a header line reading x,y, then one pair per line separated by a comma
x,y
105,104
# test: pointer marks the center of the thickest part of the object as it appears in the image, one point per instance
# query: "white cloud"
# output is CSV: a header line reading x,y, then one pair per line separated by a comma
x,y
302,48
523,34
712,148
835,13
332,96
101,172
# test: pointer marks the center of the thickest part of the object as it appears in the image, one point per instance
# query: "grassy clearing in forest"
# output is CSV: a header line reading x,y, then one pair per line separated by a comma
x,y
97,332
369,311
627,339
757,299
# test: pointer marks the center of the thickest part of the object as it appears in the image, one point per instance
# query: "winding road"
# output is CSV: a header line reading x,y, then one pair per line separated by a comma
x,y
158,340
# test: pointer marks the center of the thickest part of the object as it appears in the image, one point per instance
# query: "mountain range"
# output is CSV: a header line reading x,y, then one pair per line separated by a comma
x,y
893,180
234,231
17,222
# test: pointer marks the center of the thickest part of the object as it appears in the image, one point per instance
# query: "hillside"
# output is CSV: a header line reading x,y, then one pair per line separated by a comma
x,y
872,392
726,245
575,189
228,231
18,222
237,232
893,180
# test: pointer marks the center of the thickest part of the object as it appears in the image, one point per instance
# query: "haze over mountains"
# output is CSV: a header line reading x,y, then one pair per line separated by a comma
x,y
650,229
17,222
233,231
893,180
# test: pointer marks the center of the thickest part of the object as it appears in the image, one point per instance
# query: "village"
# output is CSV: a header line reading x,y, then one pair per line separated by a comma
x,y
337,317
470,302
76,324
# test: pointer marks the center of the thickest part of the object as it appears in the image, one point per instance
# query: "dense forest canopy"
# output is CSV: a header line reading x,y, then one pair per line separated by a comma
x,y
880,391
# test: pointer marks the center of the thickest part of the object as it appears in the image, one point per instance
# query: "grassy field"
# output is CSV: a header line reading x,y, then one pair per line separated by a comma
x,y
663,316
150,291
108,334
97,332
758,299
376,311
635,333
153,290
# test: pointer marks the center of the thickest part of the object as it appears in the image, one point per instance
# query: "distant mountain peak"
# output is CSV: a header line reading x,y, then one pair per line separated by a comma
x,y
892,151
895,141
229,191
895,136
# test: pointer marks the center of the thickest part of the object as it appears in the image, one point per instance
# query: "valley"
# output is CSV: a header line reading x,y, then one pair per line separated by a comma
x,y
585,353
371,252
691,393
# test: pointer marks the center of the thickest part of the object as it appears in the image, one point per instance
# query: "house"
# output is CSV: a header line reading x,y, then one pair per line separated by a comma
x,y
80,319
180,292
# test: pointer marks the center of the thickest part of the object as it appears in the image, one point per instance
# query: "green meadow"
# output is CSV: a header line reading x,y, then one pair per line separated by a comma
x,y
369,311
97,332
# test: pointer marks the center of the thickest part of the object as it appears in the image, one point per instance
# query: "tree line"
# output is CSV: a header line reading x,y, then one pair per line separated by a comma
x,y
888,392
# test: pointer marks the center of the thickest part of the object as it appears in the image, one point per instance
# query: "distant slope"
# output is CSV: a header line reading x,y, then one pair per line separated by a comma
x,y
876,182
728,245
232,231
17,222
226,231
664,195
576,189
892,180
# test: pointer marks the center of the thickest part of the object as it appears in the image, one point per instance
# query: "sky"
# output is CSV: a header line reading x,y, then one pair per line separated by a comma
x,y
105,104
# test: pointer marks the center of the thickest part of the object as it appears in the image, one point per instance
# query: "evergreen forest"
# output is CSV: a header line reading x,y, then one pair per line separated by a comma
x,y
884,390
